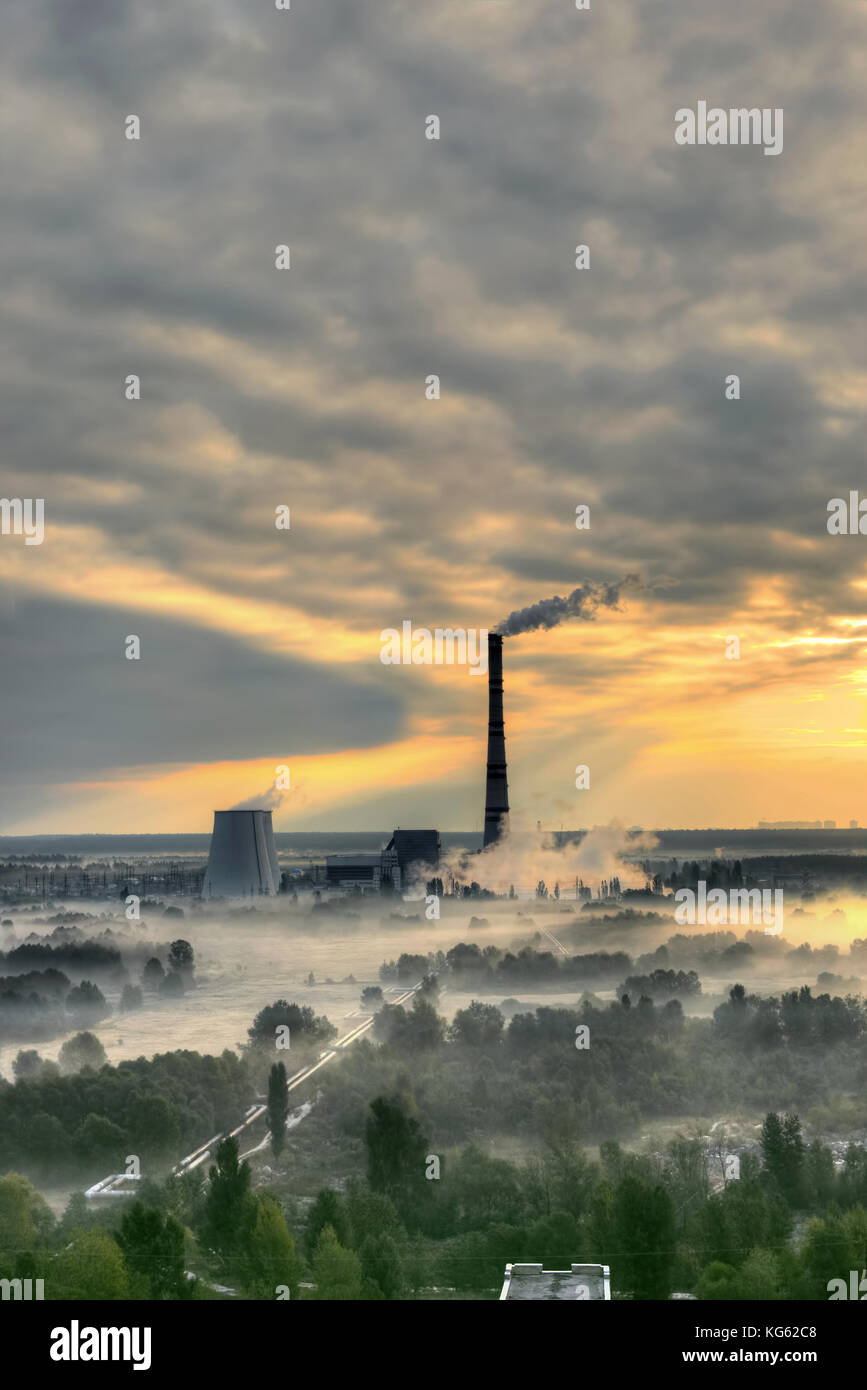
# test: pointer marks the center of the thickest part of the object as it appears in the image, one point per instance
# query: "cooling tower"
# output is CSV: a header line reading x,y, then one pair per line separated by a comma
x,y
243,859
497,787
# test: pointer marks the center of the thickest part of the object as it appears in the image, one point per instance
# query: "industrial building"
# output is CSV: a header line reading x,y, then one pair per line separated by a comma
x,y
354,871
394,866
581,1283
415,847
242,862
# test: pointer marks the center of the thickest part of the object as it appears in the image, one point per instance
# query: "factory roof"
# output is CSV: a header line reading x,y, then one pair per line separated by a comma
x,y
416,846
531,1282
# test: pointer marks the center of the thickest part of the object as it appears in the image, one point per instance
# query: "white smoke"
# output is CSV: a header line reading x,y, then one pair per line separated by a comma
x,y
270,800
523,856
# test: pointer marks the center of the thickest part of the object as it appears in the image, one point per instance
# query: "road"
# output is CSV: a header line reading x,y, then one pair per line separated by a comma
x,y
558,945
123,1184
255,1112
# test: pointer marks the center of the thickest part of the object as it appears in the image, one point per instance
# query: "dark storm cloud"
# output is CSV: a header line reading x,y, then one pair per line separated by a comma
x,y
413,257
194,696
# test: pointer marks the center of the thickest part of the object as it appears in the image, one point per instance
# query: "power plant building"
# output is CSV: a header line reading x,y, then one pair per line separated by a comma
x,y
408,852
242,862
415,847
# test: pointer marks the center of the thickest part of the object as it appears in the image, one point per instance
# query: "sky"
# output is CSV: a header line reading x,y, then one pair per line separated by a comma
x,y
305,388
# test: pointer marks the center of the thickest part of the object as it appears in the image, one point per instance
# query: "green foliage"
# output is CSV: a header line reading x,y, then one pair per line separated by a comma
x,y
369,1214
278,1107
271,1258
25,1217
479,1025
300,1019
27,1066
153,1246
420,1030
229,1211
643,1230
82,1050
327,1210
337,1273
785,1157
144,1107
834,1244
92,1266
396,1147
380,1264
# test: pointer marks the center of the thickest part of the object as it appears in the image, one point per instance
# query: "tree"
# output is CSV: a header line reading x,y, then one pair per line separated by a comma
x,y
784,1156
278,1107
152,975
336,1271
154,1126
272,1259
91,1267
479,1025
230,1210
82,1050
27,1066
153,1246
45,1138
25,1217
86,1002
369,1214
99,1139
832,1247
644,1232
181,957
327,1210
380,1263
131,998
396,1147
298,1018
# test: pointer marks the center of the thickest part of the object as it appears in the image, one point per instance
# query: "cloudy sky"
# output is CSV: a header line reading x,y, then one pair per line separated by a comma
x,y
306,387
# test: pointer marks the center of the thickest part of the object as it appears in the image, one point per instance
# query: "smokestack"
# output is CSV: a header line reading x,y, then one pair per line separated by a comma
x,y
243,858
497,787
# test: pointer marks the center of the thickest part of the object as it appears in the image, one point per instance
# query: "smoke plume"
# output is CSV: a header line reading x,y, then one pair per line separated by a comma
x,y
581,603
270,800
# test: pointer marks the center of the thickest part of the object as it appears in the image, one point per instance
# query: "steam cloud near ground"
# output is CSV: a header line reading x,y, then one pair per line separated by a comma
x,y
524,855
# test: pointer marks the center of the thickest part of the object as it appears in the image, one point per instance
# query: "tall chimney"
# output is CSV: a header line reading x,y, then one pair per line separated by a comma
x,y
497,787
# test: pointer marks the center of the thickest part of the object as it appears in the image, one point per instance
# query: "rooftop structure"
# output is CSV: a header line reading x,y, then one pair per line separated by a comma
x,y
582,1282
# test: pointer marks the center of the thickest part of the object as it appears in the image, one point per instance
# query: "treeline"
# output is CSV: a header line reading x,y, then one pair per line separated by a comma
x,y
633,1061
657,1221
88,1123
469,966
43,1003
491,969
426,1221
